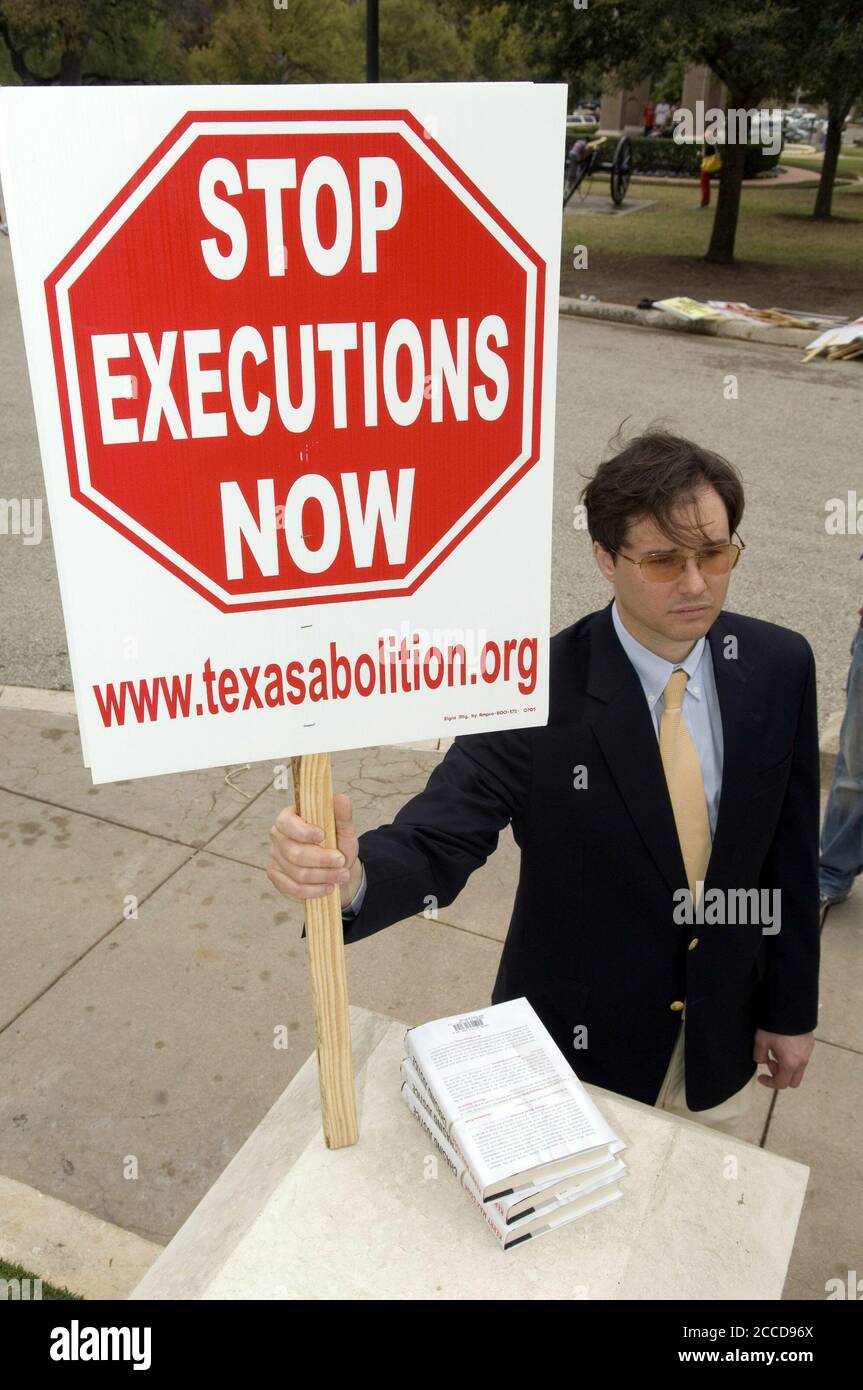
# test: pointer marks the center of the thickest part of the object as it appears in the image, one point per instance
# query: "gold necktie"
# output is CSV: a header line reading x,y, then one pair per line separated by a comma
x,y
685,783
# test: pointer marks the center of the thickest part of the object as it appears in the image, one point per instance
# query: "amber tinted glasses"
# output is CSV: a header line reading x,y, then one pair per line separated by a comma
x,y
670,564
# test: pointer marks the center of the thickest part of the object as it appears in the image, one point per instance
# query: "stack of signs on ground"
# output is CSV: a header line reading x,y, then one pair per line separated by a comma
x,y
292,354
843,342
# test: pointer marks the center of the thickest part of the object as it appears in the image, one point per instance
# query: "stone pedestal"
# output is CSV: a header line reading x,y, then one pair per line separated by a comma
x,y
623,110
702,84
703,1216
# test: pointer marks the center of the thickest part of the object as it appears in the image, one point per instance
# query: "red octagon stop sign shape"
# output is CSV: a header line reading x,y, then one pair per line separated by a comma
x,y
298,356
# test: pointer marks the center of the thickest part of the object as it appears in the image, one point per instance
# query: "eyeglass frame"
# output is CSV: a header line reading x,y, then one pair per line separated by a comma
x,y
658,554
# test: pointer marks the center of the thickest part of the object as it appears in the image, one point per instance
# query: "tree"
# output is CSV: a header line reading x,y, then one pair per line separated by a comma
x,y
90,41
835,76
497,46
499,49
756,47
250,41
420,43
264,41
324,41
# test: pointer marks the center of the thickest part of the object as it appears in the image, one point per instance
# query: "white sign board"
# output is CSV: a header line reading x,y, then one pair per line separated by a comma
x,y
292,353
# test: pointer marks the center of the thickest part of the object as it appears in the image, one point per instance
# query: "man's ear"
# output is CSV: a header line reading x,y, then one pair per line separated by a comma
x,y
604,561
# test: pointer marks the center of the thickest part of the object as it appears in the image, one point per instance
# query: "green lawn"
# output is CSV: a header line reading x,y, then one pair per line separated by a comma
x,y
774,227
8,1271
849,165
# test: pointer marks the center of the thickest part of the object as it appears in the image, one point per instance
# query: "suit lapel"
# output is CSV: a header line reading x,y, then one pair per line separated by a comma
x,y
624,729
741,730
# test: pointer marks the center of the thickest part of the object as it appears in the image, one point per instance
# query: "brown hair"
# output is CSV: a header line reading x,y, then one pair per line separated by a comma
x,y
651,477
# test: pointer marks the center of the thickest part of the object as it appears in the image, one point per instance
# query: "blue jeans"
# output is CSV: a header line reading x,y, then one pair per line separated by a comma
x,y
842,831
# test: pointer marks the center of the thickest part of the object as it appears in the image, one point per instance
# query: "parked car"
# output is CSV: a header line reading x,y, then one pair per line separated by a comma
x,y
582,117
808,124
794,135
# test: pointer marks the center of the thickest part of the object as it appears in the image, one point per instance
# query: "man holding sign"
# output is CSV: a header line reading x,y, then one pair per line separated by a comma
x,y
293,353
667,814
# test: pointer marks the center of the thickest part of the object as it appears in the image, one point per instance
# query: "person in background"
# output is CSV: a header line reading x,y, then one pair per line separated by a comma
x,y
711,163
576,154
842,832
663,111
649,116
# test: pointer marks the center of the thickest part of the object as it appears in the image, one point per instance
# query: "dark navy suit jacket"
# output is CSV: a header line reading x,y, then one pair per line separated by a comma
x,y
593,939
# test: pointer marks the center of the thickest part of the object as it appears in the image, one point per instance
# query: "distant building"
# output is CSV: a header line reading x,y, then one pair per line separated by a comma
x,y
622,108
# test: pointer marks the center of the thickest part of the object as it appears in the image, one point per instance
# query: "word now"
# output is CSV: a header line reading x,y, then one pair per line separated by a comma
x,y
261,532
275,177
339,361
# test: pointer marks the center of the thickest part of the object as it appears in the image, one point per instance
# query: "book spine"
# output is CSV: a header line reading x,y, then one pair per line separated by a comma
x,y
445,1148
499,1206
424,1081
437,1139
430,1108
431,1111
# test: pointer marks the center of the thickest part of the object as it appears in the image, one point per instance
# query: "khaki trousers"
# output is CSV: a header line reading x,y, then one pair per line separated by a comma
x,y
672,1096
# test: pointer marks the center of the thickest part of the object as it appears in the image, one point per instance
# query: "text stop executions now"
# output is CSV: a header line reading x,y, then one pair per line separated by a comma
x,y
208,382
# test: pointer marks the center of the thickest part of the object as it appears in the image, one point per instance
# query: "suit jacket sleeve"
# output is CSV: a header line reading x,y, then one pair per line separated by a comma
x,y
789,991
445,832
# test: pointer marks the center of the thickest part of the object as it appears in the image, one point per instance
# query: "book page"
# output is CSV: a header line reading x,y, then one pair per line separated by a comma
x,y
508,1093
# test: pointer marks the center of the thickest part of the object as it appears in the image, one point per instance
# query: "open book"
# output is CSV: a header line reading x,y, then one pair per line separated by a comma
x,y
509,1101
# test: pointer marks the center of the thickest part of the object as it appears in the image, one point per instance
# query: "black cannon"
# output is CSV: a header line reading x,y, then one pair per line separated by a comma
x,y
586,159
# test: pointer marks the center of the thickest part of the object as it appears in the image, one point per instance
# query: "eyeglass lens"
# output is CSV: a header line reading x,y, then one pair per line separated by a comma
x,y
718,560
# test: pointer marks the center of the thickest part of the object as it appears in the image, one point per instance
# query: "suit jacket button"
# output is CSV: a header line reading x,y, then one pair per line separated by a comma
x,y
677,1005
693,943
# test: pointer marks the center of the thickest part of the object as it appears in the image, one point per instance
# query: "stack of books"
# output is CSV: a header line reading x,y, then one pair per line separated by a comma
x,y
504,1108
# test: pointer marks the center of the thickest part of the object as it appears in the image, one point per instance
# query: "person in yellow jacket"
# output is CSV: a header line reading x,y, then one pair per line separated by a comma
x,y
711,163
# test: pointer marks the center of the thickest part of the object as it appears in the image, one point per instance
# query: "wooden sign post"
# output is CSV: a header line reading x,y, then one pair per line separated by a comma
x,y
313,796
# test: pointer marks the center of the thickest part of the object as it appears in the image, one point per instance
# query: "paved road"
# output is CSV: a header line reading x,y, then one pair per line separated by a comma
x,y
794,431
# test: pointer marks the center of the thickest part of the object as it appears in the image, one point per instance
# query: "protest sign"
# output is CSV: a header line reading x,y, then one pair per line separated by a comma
x,y
292,353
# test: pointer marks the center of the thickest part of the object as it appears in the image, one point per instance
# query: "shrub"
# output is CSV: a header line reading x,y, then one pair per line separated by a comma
x,y
662,155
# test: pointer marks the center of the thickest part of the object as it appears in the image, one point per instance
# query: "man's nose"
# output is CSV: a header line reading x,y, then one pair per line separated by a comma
x,y
692,581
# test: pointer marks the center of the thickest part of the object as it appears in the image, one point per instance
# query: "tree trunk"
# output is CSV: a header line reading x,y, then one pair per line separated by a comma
x,y
68,73
824,198
71,64
721,248
16,56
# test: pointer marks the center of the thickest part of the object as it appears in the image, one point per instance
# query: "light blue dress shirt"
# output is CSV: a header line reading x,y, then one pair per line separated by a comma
x,y
701,715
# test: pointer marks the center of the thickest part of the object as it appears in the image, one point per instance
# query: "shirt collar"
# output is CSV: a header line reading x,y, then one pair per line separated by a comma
x,y
652,670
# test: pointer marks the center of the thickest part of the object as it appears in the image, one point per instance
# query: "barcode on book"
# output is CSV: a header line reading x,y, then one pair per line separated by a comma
x,y
476,1022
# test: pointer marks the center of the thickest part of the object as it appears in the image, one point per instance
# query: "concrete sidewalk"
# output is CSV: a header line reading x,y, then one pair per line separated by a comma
x,y
150,968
